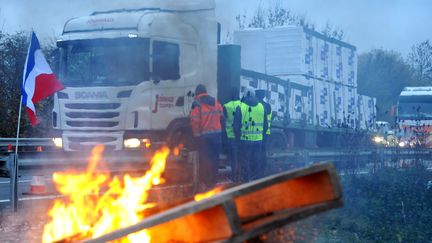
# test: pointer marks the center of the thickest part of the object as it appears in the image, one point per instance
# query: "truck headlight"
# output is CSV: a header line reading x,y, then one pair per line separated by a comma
x,y
132,143
58,142
137,143
402,144
378,139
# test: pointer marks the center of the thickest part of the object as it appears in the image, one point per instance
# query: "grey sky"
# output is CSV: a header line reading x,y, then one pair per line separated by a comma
x,y
368,24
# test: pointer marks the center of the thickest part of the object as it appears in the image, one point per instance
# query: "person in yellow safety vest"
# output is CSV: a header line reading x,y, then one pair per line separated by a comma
x,y
250,125
231,144
260,95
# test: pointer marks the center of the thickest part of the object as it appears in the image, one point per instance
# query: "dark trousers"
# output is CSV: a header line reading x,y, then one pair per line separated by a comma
x,y
209,147
263,159
232,157
250,157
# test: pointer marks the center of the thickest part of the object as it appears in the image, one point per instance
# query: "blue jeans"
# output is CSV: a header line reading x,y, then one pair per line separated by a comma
x,y
250,156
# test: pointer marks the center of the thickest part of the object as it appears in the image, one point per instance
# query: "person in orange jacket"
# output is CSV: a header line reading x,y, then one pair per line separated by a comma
x,y
207,121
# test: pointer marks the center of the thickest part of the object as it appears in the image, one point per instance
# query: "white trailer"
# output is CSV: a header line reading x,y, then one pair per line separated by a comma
x,y
308,58
294,50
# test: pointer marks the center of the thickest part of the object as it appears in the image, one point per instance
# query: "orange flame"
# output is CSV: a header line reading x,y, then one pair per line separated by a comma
x,y
89,213
177,149
204,195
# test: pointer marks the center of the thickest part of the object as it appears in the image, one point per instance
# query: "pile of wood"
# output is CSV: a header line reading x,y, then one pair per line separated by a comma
x,y
245,211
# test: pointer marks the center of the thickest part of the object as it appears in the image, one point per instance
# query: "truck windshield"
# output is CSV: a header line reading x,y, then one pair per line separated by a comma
x,y
104,62
415,107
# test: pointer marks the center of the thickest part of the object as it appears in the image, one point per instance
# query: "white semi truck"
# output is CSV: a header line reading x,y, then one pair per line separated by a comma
x,y
414,116
130,76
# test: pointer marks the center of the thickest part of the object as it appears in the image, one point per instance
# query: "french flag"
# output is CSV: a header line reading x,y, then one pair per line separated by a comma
x,y
39,82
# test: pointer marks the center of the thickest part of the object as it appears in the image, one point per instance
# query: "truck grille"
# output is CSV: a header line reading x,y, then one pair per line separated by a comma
x,y
90,124
95,124
83,147
86,141
92,115
96,106
100,139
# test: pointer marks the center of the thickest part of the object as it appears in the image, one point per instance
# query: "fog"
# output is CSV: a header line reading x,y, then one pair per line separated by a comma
x,y
368,24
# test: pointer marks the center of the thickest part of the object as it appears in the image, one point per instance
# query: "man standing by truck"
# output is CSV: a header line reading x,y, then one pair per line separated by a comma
x,y
207,122
250,124
260,95
231,144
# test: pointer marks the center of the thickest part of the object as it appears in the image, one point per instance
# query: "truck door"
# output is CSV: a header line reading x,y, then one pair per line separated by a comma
x,y
167,84
191,67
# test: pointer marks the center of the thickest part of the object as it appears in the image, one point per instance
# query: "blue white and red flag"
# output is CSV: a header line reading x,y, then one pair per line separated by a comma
x,y
39,82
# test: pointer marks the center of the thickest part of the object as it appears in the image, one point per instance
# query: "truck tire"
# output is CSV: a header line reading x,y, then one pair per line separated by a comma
x,y
180,132
182,137
276,142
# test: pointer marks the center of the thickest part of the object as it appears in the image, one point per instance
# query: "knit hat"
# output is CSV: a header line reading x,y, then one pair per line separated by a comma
x,y
260,94
200,89
249,92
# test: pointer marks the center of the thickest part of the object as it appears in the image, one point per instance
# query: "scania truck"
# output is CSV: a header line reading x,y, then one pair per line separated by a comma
x,y
130,74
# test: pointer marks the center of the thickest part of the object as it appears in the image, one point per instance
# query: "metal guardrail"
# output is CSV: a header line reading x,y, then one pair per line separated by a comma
x,y
59,158
128,161
45,162
380,153
4,142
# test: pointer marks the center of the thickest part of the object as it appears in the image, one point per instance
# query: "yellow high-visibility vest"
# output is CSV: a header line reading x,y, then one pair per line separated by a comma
x,y
230,108
252,126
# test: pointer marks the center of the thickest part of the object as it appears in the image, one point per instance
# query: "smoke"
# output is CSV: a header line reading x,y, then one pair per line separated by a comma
x,y
46,17
405,22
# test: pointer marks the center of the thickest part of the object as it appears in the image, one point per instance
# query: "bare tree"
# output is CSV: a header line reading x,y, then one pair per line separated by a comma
x,y
333,32
13,51
278,15
420,60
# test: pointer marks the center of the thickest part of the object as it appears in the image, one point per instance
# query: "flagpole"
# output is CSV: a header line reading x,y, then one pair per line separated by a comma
x,y
14,180
18,127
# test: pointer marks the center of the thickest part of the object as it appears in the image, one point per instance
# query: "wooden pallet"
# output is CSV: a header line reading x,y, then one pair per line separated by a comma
x,y
245,211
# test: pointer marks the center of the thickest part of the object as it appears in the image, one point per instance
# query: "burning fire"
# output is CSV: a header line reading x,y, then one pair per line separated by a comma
x,y
204,195
97,204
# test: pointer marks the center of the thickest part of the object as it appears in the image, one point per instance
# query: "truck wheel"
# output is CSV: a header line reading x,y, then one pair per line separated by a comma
x,y
276,143
182,137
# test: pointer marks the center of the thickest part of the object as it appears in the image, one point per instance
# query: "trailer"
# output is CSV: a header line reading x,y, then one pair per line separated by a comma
x,y
327,107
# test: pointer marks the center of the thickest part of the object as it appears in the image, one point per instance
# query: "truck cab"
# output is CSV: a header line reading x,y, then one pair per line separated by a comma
x,y
130,74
